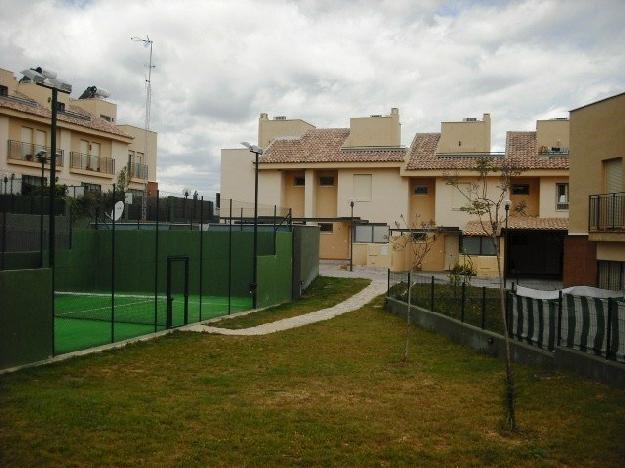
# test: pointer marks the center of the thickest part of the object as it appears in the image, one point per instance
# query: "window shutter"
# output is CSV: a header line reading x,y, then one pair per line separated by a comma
x,y
614,175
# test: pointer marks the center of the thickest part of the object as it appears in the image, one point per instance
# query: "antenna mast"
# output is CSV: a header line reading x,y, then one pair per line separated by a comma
x,y
147,42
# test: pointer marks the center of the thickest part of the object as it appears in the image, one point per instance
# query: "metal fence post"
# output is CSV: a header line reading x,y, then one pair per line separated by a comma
x,y
388,282
113,270
201,247
463,297
608,345
559,333
4,233
483,320
432,294
230,259
274,228
156,264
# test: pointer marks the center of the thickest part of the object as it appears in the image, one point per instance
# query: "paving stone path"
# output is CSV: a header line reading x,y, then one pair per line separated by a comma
x,y
377,287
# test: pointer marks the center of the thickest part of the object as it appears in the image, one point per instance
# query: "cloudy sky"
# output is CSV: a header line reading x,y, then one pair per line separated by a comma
x,y
220,63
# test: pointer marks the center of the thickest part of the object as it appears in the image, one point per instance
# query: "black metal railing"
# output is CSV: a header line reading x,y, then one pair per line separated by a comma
x,y
138,170
606,212
21,151
90,162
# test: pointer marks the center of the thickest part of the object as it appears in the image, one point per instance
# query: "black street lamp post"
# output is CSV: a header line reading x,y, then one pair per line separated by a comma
x,y
351,237
505,241
253,286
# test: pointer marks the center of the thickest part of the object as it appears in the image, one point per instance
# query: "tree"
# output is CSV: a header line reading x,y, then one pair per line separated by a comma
x,y
419,240
123,180
487,204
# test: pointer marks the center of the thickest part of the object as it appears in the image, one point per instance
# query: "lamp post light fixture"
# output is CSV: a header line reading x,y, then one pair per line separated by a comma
x,y
506,205
257,152
48,79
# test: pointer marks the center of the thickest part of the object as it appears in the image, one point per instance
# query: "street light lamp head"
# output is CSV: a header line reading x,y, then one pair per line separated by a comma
x,y
41,155
506,204
33,75
58,84
252,148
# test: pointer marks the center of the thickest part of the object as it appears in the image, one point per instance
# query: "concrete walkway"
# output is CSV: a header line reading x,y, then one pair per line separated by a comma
x,y
377,287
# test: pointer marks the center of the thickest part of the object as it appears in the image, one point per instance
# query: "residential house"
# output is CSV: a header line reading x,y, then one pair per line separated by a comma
x,y
321,173
91,147
595,245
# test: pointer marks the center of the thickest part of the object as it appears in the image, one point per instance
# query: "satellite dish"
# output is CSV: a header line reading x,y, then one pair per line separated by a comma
x,y
117,211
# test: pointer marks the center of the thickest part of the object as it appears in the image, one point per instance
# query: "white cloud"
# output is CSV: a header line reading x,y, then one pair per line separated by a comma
x,y
220,63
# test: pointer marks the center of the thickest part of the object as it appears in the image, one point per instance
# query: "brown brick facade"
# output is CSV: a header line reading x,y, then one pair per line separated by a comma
x,y
580,262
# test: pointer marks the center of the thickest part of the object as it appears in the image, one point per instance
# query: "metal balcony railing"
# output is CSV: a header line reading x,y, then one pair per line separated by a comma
x,y
138,170
20,151
89,162
606,212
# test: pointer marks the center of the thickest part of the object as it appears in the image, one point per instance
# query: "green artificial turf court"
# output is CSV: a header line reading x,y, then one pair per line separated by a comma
x,y
84,320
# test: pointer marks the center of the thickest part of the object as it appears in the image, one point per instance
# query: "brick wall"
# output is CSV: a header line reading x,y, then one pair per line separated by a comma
x,y
580,262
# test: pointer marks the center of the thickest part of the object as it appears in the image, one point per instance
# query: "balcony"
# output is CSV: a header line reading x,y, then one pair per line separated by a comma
x,y
138,170
606,212
88,162
27,152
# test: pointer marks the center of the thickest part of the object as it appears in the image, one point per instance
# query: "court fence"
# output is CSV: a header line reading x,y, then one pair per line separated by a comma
x,y
166,261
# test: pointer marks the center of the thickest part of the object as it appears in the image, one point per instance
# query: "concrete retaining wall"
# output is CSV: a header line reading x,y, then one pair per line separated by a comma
x,y
563,359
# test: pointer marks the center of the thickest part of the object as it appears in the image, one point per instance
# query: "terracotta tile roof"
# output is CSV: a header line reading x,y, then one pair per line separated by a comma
x,y
325,145
517,223
88,120
522,149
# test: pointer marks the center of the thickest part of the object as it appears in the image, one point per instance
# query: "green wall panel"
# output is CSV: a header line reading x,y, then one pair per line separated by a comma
x,y
274,273
25,316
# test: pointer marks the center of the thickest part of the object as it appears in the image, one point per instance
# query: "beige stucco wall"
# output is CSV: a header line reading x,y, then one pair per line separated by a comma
x,y
614,251
374,131
237,175
389,195
268,129
402,256
551,133
4,148
532,201
98,107
269,189
42,95
449,200
7,78
335,245
463,137
138,145
293,195
326,196
596,134
548,197
422,207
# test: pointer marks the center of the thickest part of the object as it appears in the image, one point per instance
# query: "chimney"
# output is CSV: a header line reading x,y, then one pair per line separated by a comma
x,y
263,115
394,111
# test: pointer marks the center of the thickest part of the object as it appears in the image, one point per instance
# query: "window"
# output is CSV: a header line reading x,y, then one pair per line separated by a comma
x,y
60,106
299,181
477,245
91,187
421,190
328,228
326,181
610,275
106,117
562,194
613,175
371,233
362,187
4,91
520,189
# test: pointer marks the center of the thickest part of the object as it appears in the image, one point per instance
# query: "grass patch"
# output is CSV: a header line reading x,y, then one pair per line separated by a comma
x,y
332,393
323,292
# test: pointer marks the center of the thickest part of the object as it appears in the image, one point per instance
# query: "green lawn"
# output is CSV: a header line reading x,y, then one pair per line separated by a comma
x,y
332,393
323,292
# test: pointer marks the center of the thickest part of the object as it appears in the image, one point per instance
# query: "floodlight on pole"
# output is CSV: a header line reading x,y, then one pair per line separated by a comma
x,y
48,79
257,151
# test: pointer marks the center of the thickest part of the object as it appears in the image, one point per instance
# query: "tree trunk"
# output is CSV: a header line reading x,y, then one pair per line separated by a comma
x,y
408,317
510,397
